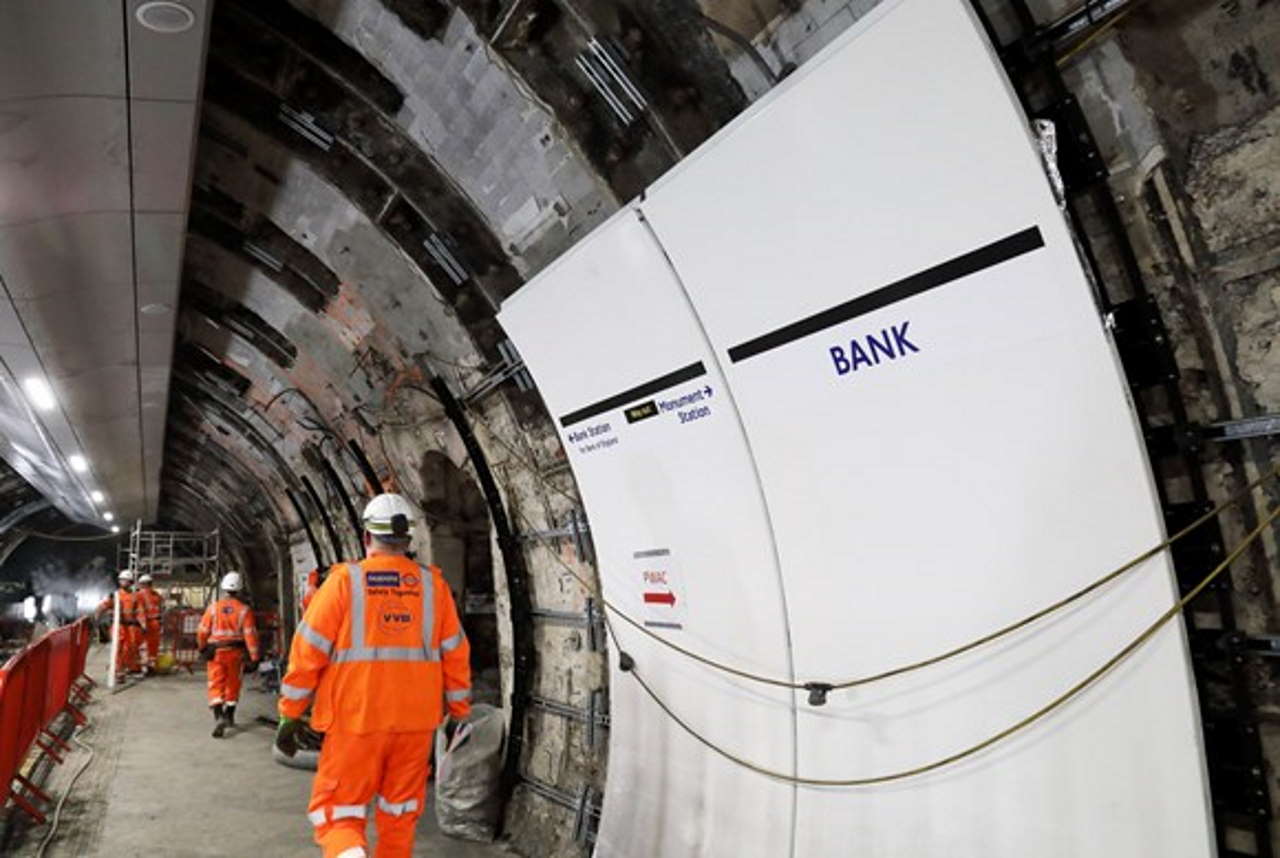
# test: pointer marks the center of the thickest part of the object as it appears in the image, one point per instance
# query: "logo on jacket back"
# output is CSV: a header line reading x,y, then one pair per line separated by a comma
x,y
382,579
394,617
411,580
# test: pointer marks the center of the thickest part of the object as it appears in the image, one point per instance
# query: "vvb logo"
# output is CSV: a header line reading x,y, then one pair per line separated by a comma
x,y
395,617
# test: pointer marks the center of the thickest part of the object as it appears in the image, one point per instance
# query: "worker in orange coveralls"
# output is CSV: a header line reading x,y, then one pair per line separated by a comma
x,y
382,652
151,607
131,620
226,631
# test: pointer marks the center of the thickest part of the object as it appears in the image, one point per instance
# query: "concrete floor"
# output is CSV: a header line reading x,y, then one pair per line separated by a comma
x,y
159,785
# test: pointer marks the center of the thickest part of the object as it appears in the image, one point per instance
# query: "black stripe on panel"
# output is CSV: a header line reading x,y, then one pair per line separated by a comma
x,y
972,262
688,373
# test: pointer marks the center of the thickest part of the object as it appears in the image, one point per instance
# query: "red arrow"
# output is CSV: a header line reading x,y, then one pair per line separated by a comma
x,y
660,598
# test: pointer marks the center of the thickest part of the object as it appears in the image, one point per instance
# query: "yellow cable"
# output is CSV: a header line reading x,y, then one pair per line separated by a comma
x,y
1039,714
971,645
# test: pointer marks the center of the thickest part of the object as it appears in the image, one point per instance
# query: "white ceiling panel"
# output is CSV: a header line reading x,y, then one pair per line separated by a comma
x,y
65,253
163,132
28,67
156,350
101,393
169,67
160,237
91,231
63,155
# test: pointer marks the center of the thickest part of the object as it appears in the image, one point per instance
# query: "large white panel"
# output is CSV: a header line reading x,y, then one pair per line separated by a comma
x,y
606,320
979,464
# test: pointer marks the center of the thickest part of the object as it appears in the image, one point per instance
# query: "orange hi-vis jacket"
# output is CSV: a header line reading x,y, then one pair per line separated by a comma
x,y
150,605
228,622
131,613
381,649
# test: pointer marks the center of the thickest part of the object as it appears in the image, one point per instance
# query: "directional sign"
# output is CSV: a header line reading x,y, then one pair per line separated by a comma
x,y
658,581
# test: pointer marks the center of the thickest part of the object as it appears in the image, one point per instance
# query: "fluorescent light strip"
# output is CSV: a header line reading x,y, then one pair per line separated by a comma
x,y
39,393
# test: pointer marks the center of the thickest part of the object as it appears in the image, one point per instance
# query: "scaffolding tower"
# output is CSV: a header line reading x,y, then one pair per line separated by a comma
x,y
175,556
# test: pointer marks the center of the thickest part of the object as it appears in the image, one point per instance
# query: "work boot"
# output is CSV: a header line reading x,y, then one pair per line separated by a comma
x,y
219,721
230,712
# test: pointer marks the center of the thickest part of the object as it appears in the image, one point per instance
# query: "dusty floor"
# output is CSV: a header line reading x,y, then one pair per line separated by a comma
x,y
159,786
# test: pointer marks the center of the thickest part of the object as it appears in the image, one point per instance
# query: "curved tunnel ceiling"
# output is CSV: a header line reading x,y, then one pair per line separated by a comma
x,y
372,178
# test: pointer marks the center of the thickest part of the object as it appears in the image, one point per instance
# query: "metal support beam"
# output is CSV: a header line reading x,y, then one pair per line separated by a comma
x,y
584,804
592,619
1248,427
595,716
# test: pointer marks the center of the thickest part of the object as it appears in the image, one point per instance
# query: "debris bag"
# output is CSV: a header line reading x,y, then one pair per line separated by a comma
x,y
468,776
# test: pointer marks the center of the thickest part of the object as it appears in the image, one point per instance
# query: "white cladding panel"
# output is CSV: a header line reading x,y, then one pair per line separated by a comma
x,y
974,463
608,317
946,450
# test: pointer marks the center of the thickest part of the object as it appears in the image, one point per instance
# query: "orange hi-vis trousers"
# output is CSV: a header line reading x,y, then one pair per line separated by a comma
x,y
388,769
223,672
127,657
152,637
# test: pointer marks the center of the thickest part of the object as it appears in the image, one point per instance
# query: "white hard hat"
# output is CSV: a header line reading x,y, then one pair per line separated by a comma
x,y
389,516
231,582
125,575
145,579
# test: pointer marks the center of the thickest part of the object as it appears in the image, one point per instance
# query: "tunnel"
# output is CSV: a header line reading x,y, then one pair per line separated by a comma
x,y
835,427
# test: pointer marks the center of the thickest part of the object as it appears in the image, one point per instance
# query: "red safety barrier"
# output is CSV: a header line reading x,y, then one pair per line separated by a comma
x,y
180,627
37,685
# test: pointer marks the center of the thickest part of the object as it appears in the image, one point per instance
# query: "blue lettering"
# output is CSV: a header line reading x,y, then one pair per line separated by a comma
x,y
870,350
838,358
859,356
877,346
900,338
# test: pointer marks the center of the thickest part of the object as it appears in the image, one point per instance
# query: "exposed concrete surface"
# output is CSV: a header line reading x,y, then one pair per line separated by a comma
x,y
159,785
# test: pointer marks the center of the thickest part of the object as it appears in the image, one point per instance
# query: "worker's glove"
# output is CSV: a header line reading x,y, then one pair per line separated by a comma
x,y
208,651
251,667
287,735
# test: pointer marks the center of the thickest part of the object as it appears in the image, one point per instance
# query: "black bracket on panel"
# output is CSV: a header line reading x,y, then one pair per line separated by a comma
x,y
1143,342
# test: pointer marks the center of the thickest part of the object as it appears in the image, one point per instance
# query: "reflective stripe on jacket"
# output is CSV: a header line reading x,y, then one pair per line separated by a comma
x,y
227,622
380,649
150,605
130,608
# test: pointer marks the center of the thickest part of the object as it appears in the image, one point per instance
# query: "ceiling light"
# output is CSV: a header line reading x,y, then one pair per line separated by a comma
x,y
39,393
109,516
78,463
115,528
155,309
165,16
97,496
